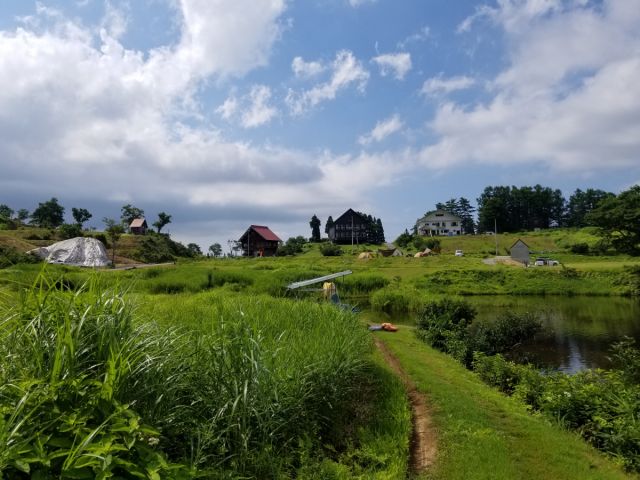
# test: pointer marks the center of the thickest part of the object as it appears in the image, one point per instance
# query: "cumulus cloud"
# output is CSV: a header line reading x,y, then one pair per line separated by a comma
x,y
346,71
569,98
439,85
259,112
396,64
382,130
302,69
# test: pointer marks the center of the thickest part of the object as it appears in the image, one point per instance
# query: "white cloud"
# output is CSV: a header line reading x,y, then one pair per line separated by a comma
x,y
357,3
346,69
302,69
382,130
568,100
259,112
422,35
397,64
435,86
229,108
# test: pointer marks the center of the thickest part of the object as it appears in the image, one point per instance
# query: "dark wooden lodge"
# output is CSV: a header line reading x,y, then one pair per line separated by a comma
x,y
355,227
259,241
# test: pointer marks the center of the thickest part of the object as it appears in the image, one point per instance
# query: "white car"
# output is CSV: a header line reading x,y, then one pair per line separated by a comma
x,y
459,253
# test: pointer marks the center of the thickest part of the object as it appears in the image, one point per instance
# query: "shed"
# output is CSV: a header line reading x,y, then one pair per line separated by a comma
x,y
138,226
259,241
520,252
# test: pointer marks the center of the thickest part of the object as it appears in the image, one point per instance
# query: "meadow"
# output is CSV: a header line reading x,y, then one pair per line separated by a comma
x,y
212,368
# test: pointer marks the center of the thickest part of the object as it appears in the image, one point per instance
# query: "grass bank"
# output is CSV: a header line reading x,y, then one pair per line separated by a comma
x,y
208,385
486,435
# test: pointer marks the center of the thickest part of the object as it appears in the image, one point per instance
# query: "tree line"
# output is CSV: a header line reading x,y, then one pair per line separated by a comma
x,y
512,209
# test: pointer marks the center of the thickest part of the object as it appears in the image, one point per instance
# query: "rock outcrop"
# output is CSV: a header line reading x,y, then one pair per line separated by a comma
x,y
79,251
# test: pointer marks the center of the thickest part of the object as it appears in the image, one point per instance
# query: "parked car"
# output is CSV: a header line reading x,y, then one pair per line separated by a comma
x,y
459,253
541,262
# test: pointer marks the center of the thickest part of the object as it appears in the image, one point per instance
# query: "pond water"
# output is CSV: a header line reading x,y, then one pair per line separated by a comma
x,y
578,331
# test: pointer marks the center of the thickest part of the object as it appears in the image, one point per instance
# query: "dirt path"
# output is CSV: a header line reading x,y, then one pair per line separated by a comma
x,y
424,437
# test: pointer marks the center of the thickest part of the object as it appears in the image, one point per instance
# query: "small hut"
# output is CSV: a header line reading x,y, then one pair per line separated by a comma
x,y
520,252
259,241
138,226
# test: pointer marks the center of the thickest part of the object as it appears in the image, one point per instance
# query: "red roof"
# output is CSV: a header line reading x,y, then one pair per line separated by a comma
x,y
265,233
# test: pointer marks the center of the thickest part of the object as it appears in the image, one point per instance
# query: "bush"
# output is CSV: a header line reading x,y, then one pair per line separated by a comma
x,y
507,331
579,248
330,250
70,230
443,325
10,256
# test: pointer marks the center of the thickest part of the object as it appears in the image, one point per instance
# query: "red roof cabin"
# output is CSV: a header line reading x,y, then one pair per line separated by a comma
x,y
259,241
138,226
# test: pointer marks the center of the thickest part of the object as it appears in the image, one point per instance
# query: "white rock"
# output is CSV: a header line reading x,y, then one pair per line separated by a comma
x,y
79,251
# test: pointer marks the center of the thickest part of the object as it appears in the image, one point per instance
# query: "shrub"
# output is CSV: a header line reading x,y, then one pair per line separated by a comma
x,y
580,248
509,330
330,250
10,256
70,230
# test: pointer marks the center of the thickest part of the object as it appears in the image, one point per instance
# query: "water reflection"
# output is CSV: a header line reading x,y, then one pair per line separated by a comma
x,y
579,331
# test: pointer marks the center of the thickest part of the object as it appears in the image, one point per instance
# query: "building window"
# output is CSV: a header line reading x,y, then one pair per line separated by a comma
x,y
454,224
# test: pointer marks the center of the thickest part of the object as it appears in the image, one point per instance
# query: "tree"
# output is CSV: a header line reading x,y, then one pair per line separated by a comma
x,y
581,204
618,219
163,219
194,249
315,229
129,213
329,225
23,215
49,214
80,215
114,230
6,213
215,249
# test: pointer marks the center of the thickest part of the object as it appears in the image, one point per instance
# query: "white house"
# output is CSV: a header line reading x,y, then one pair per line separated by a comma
x,y
439,222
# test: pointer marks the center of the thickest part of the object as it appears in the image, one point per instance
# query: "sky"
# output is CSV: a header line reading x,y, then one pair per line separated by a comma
x,y
227,113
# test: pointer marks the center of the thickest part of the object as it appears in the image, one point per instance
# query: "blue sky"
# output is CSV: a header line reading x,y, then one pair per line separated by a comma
x,y
225,113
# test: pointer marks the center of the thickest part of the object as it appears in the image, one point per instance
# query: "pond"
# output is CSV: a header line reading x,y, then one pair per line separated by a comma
x,y
578,331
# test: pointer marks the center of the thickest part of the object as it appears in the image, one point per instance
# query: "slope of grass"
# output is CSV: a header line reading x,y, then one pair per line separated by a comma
x,y
486,435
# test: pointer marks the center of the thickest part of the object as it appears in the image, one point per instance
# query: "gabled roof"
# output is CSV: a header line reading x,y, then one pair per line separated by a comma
x,y
432,215
264,232
350,212
516,242
138,222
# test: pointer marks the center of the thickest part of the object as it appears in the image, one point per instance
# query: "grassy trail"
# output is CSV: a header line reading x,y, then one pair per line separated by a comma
x,y
483,434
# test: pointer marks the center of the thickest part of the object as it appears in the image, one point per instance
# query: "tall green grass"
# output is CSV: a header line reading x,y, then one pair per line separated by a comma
x,y
212,384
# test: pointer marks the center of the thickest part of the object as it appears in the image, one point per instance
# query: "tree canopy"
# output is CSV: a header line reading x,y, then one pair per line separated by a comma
x,y
618,219
81,215
163,219
129,213
215,249
49,214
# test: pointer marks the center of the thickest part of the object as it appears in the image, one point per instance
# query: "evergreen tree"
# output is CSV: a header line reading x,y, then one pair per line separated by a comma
x,y
328,225
315,228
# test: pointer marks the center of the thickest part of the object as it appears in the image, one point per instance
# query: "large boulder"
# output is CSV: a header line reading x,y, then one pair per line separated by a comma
x,y
79,251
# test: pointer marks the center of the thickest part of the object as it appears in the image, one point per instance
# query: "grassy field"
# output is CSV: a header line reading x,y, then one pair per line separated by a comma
x,y
486,435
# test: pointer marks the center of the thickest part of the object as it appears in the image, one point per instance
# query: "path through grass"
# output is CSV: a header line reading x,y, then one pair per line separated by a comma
x,y
483,434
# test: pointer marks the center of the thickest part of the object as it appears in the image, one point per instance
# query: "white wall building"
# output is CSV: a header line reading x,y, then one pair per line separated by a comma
x,y
439,222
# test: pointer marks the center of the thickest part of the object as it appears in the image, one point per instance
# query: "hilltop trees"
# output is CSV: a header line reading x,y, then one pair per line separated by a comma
x,y
113,230
49,214
80,215
581,203
524,208
129,213
163,219
315,228
619,220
